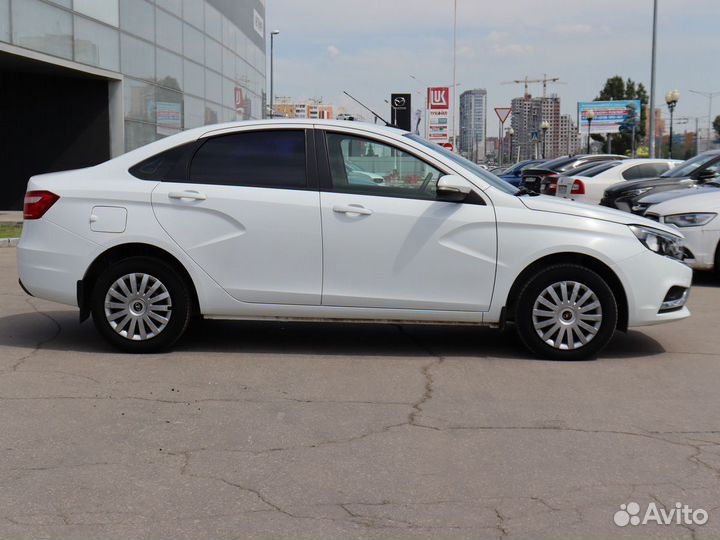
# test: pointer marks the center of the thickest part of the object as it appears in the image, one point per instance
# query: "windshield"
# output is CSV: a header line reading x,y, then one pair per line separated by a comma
x,y
489,177
687,168
558,164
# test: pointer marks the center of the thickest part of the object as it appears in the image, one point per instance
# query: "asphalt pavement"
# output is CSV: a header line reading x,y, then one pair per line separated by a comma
x,y
299,430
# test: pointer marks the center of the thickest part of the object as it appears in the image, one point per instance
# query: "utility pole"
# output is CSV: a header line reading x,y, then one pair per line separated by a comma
x,y
651,135
453,97
272,77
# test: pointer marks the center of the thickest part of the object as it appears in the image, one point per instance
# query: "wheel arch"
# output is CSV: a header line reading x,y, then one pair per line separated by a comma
x,y
123,251
581,259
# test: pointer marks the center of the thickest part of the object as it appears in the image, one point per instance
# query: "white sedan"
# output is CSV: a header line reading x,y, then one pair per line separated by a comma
x,y
697,217
589,187
260,220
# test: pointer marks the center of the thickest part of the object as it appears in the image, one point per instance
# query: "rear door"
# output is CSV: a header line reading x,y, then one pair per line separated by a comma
x,y
248,213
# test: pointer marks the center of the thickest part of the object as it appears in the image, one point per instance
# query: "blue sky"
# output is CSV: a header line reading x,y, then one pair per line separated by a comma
x,y
371,47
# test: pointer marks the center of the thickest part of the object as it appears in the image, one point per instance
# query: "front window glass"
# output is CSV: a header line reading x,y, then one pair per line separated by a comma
x,y
360,165
474,168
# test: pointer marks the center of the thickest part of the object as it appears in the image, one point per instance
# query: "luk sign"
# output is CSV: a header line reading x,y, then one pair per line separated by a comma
x,y
400,111
439,98
439,114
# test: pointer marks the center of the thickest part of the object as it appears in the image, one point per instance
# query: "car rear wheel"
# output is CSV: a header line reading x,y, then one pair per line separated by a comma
x,y
141,305
566,312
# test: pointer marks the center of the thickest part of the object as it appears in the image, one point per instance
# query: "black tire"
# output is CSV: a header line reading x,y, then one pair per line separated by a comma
x,y
178,307
531,293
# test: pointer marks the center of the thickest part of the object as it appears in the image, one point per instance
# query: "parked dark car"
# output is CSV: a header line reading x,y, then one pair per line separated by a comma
x,y
513,174
702,169
532,178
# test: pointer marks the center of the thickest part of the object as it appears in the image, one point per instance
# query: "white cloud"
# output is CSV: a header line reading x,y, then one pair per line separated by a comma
x,y
333,52
513,49
572,29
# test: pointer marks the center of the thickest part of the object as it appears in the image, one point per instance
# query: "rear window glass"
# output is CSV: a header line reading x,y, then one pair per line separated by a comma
x,y
164,165
272,158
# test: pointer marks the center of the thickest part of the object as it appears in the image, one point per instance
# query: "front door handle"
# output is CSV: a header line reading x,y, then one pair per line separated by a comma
x,y
194,195
357,209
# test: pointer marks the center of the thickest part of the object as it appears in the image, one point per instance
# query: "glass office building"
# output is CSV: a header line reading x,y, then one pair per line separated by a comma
x,y
85,80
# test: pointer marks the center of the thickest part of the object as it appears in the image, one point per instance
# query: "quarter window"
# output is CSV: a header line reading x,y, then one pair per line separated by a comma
x,y
170,165
365,166
252,158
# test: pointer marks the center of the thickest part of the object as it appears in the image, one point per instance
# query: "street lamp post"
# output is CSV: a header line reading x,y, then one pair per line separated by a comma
x,y
651,135
671,98
511,132
272,38
590,117
545,125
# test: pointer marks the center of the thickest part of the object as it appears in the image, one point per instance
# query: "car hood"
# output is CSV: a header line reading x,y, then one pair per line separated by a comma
x,y
544,203
623,187
700,200
684,191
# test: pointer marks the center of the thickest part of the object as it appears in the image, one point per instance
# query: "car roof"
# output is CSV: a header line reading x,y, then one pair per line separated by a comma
x,y
138,154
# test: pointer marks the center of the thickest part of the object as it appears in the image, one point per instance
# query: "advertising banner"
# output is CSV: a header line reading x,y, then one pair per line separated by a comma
x,y
438,117
609,115
169,118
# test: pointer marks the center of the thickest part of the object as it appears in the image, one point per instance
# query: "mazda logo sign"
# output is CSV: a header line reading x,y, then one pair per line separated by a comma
x,y
399,102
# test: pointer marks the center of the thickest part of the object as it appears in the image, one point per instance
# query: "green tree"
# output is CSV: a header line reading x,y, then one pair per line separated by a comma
x,y
616,88
716,125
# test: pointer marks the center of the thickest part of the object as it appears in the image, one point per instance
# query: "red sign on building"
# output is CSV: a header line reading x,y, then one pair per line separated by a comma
x,y
439,98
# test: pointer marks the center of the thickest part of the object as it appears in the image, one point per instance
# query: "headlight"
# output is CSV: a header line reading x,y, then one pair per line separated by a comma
x,y
660,242
690,220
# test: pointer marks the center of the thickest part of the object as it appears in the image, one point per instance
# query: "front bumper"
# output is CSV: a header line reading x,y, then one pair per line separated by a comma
x,y
647,279
701,245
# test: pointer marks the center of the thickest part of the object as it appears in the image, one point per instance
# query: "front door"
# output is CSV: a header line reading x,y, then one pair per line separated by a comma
x,y
387,241
249,215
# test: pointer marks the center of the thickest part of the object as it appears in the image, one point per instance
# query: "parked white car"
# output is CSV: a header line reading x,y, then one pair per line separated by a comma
x,y
258,220
696,216
590,187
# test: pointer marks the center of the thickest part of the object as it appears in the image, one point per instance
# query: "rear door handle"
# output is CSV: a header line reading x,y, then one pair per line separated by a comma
x,y
357,209
194,195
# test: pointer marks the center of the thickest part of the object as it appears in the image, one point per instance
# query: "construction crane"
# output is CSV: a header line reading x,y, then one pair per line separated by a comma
x,y
545,80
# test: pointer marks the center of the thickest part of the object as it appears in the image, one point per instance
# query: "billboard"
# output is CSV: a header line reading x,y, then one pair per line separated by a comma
x,y
401,111
608,114
438,117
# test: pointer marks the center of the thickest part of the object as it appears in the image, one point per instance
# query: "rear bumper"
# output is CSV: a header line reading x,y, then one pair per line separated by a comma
x,y
51,260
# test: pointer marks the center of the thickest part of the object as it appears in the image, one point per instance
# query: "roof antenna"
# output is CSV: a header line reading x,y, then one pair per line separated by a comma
x,y
376,115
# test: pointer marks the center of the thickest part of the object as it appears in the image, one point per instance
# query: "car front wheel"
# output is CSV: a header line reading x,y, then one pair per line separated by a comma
x,y
566,312
141,305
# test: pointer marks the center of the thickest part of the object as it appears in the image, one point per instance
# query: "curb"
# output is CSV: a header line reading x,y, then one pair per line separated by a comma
x,y
8,242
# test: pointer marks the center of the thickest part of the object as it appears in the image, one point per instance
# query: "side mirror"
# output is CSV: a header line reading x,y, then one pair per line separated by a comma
x,y
453,188
707,174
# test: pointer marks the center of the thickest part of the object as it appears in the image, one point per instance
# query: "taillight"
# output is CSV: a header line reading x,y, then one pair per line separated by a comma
x,y
578,187
37,203
550,184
